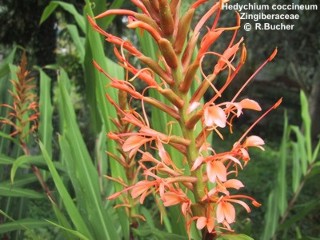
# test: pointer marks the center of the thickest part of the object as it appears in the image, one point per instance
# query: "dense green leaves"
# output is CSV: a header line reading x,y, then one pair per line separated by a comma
x,y
303,162
68,8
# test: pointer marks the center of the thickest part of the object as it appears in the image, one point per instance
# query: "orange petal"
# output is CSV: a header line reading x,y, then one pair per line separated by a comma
x,y
250,104
210,225
254,141
133,143
201,222
197,163
229,212
233,183
214,115
170,198
216,169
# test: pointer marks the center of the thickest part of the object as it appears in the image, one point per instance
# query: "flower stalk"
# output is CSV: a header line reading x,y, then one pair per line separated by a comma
x,y
204,187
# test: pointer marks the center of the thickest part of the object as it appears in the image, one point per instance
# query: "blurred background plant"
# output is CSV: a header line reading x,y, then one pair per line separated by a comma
x,y
71,157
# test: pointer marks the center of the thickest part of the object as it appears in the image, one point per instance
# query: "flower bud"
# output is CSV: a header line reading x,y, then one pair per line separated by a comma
x,y
172,97
168,53
183,29
156,68
188,79
166,19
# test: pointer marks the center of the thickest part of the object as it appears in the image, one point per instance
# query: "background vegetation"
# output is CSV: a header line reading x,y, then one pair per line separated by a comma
x,y
56,188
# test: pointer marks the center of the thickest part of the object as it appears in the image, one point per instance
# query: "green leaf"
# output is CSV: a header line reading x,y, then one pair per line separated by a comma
x,y
45,123
68,8
71,208
4,64
301,144
77,40
22,161
75,233
306,119
271,217
7,136
302,211
96,84
12,191
296,169
22,224
281,189
147,232
5,160
316,152
85,176
63,221
21,181
100,6
234,237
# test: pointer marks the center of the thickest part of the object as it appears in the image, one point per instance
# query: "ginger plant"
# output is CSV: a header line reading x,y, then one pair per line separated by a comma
x,y
23,115
204,187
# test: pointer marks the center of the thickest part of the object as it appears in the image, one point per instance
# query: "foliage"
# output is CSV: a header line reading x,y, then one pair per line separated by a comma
x,y
305,165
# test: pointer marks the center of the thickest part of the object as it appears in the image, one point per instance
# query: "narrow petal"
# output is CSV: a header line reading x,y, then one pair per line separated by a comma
x,y
197,163
250,104
233,183
220,213
134,142
229,212
254,141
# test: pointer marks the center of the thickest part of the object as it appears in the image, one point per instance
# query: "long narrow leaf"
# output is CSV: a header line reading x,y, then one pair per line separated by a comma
x,y
306,119
5,160
97,89
12,191
281,181
85,170
67,7
77,40
22,224
75,233
72,210
296,169
45,123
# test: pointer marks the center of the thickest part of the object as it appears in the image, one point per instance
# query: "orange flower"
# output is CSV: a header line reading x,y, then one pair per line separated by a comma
x,y
216,169
143,189
205,222
214,116
177,196
225,211
133,143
